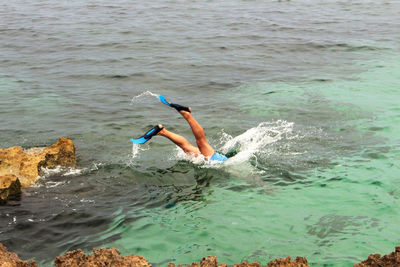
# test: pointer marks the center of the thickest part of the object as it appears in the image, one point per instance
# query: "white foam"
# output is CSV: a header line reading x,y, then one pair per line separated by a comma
x,y
64,171
50,171
51,184
249,144
73,171
181,155
255,140
135,99
96,166
196,159
83,200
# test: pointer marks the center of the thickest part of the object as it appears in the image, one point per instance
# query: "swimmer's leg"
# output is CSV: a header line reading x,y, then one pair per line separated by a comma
x,y
198,133
180,141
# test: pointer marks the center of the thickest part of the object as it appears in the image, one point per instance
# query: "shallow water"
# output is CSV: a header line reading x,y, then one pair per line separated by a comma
x,y
302,95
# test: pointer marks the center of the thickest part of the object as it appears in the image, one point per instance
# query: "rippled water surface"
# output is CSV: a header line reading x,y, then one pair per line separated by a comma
x,y
303,96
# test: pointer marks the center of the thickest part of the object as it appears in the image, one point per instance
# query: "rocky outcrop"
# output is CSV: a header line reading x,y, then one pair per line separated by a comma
x,y
211,261
10,259
102,257
375,260
246,264
9,187
26,165
112,257
285,262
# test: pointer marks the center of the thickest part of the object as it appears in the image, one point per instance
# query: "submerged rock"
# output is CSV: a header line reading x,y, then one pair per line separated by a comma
x,y
10,259
102,257
9,187
375,260
26,165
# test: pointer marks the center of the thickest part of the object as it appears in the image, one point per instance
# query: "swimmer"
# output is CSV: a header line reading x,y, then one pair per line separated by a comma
x,y
203,147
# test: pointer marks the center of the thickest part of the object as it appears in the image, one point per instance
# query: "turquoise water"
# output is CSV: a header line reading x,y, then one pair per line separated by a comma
x,y
302,96
334,213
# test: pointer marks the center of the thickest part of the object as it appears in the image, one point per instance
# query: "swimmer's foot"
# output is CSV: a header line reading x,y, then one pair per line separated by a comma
x,y
180,108
162,129
175,106
148,135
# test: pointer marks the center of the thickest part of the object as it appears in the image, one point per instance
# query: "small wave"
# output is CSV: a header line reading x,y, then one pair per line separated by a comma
x,y
96,166
73,171
83,200
51,184
58,170
116,76
64,171
344,47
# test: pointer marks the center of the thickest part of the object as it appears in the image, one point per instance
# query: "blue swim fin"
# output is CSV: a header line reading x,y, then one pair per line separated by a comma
x,y
138,141
162,99
175,106
147,136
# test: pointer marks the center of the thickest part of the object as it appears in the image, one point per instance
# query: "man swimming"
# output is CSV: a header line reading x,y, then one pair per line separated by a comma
x,y
203,147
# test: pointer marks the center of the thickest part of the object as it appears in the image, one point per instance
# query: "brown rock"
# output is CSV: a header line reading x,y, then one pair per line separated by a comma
x,y
375,260
99,258
9,186
285,262
26,164
211,261
10,259
246,264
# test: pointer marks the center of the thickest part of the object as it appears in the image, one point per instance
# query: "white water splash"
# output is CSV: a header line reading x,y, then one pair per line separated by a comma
x,y
136,99
248,145
136,149
181,155
255,140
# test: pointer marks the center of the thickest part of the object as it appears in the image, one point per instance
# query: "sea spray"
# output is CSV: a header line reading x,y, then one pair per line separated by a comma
x,y
136,149
137,98
181,155
254,140
246,146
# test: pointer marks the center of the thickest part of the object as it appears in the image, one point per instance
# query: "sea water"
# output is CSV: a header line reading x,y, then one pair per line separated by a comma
x,y
303,96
